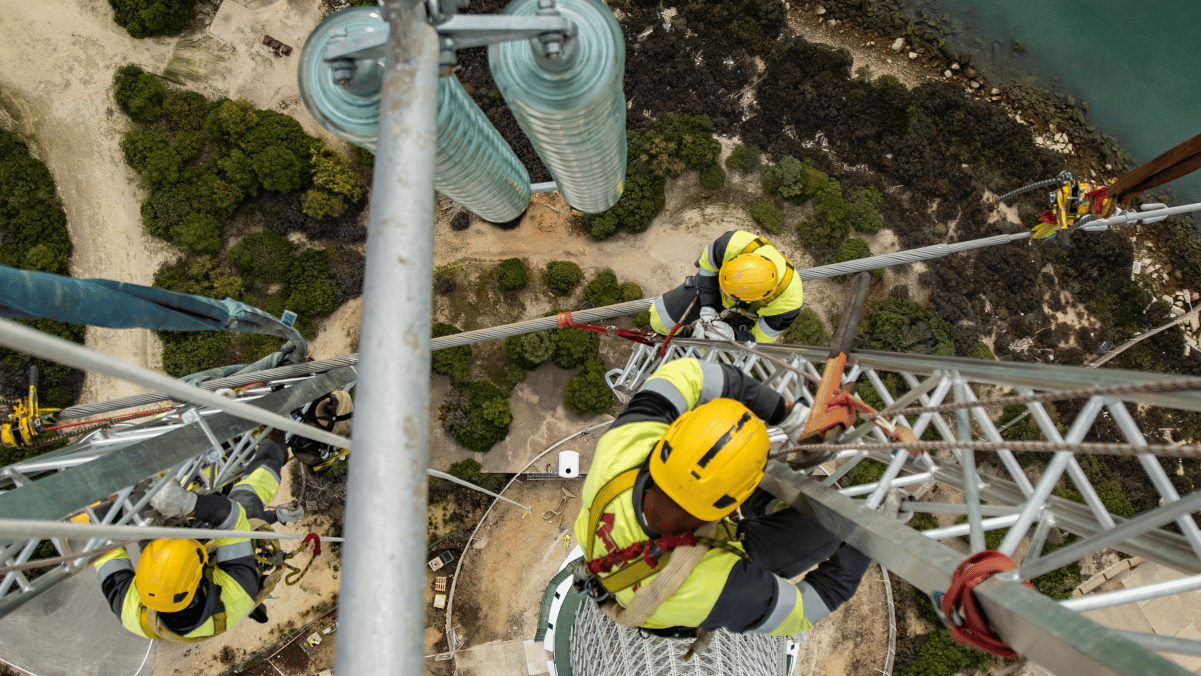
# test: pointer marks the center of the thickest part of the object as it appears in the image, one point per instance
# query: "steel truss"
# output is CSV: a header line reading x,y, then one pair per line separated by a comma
x,y
1050,633
110,475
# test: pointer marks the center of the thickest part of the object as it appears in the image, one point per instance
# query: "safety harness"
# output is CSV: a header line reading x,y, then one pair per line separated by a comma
x,y
272,564
785,280
644,559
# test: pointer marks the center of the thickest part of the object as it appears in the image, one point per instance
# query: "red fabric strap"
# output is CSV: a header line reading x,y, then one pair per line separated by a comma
x,y
1099,196
644,550
1048,217
974,630
316,540
566,322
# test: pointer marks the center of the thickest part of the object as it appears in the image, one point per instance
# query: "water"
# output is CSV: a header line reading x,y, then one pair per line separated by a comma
x,y
1137,64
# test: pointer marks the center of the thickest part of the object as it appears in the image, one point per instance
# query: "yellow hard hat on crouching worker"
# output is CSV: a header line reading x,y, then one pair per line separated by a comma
x,y
168,574
711,458
748,277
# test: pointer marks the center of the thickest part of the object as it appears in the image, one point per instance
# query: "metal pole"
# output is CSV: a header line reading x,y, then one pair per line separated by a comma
x,y
380,598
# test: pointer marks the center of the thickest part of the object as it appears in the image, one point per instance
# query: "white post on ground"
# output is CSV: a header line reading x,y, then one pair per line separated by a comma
x,y
383,561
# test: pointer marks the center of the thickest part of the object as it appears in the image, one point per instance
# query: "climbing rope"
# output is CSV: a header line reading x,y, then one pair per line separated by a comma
x,y
1091,448
1113,390
969,625
106,421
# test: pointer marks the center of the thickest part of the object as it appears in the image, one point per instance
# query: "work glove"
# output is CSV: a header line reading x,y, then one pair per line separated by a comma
x,y
289,513
795,422
891,507
173,501
719,329
708,314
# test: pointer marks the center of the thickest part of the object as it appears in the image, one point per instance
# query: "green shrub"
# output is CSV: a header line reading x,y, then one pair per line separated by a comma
x,y
139,94
311,287
186,110
278,169
229,120
485,414
630,291
185,353
199,234
263,257
744,158
941,655
200,276
681,140
33,226
981,351
603,290
712,177
588,393
335,184
866,472
162,169
528,350
574,347
641,319
642,199
852,249
151,18
562,277
165,209
452,361
511,274
467,470
238,170
904,326
807,329
863,210
139,144
1022,430
923,521
766,213
511,375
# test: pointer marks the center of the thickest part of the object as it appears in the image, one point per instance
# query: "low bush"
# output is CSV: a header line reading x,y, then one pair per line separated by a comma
x,y
904,326
603,290
185,353
452,361
199,234
511,274
588,393
138,94
641,319
807,329
863,210
562,277
151,18
941,655
481,415
263,257
766,213
744,158
311,288
574,347
630,291
712,177
528,350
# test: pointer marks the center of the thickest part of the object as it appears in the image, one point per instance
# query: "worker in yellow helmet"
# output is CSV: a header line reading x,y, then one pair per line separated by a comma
x,y
687,451
181,590
743,275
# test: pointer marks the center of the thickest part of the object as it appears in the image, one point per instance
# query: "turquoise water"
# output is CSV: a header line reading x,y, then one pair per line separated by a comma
x,y
1137,64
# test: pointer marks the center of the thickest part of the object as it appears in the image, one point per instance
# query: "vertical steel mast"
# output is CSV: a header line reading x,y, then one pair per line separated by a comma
x,y
385,507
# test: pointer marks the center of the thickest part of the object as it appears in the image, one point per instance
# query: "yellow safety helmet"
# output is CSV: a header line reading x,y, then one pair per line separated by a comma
x,y
748,277
711,458
169,573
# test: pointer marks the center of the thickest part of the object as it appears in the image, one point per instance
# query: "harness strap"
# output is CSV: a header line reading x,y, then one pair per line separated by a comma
x,y
648,599
615,486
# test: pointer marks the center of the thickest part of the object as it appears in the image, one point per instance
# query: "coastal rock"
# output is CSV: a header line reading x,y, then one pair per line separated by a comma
x,y
912,55
975,85
898,44
946,73
1135,267
954,66
971,73
820,10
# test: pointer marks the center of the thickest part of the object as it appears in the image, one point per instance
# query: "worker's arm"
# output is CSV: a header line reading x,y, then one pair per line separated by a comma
x,y
755,600
708,290
235,556
683,384
116,575
769,328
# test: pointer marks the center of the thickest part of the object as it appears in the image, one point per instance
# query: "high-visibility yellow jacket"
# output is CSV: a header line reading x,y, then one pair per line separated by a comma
x,y
723,590
770,320
232,580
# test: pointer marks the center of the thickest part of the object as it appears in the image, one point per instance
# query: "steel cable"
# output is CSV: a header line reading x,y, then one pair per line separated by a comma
x,y
1091,448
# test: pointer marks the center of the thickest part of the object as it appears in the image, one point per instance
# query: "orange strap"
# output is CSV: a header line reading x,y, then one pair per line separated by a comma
x,y
959,604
